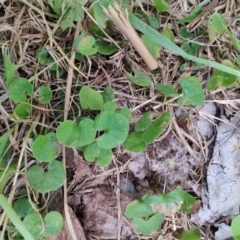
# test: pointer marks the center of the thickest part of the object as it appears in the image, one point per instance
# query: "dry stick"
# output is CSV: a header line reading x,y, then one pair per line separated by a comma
x,y
66,109
125,27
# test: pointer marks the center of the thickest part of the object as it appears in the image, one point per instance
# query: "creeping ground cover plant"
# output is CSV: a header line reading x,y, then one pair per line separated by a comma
x,y
57,96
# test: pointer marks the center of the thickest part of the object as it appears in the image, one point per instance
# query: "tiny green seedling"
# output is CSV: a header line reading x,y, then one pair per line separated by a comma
x,y
22,110
45,94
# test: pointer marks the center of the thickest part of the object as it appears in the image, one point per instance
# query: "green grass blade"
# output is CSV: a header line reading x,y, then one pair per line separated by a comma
x,y
164,42
15,218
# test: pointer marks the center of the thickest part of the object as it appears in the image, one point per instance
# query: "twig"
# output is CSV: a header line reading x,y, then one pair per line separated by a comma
x,y
120,20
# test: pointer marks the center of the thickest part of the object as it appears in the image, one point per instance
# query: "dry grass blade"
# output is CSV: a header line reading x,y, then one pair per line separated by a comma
x,y
115,13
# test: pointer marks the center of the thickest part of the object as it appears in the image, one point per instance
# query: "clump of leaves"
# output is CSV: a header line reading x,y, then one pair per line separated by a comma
x,y
148,212
110,126
146,132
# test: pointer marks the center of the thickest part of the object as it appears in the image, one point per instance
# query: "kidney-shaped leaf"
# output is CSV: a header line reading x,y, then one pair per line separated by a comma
x,y
53,223
93,152
188,201
73,135
144,122
115,127
45,93
46,181
126,112
45,147
192,91
157,127
138,208
19,90
99,14
134,142
90,98
139,78
167,90
23,207
22,110
85,44
33,222
149,226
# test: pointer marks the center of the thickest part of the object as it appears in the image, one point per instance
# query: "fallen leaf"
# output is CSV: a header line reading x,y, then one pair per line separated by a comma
x,y
82,168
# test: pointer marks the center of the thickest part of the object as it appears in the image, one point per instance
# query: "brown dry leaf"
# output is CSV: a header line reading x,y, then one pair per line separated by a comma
x,y
70,161
100,213
65,233
83,168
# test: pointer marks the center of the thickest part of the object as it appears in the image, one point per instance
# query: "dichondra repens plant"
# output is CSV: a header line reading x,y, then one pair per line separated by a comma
x,y
103,125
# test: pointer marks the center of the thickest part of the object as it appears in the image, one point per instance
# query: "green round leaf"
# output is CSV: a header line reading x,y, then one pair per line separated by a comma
x,y
108,95
235,227
99,14
73,135
134,142
85,44
33,222
192,91
45,147
106,48
144,122
139,78
214,82
22,207
19,89
157,127
138,208
46,181
126,112
109,106
46,94
115,127
90,98
53,223
149,226
167,90
23,110
93,152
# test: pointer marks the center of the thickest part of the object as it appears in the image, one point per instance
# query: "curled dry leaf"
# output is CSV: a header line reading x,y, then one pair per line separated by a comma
x,y
82,168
